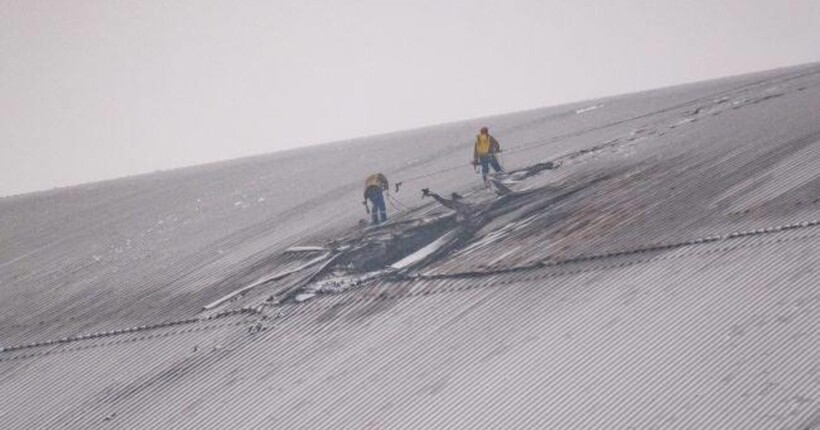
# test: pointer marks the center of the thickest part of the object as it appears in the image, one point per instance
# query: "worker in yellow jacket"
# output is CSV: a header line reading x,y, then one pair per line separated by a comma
x,y
486,149
374,188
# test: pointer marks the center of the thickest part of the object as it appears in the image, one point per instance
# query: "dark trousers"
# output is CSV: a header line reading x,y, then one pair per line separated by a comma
x,y
487,161
379,211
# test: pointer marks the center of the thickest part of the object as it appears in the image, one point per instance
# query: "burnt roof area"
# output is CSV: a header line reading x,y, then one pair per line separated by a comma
x,y
646,261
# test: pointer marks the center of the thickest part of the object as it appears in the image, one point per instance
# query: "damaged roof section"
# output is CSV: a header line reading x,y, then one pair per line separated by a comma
x,y
531,217
398,248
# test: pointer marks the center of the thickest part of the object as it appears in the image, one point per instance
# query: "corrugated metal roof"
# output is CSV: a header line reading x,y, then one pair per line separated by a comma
x,y
662,277
698,333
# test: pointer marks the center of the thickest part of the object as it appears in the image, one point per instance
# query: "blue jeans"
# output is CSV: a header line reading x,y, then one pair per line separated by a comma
x,y
487,161
379,211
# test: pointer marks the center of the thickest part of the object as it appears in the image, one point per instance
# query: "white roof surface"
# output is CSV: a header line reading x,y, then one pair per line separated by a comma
x,y
664,276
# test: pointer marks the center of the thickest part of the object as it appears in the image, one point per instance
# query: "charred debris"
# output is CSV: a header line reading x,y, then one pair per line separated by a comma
x,y
400,248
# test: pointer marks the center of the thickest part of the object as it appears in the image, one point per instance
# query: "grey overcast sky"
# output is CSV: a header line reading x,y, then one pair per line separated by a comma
x,y
96,89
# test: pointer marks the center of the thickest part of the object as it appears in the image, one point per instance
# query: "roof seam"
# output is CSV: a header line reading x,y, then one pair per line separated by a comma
x,y
128,330
612,254
464,275
119,342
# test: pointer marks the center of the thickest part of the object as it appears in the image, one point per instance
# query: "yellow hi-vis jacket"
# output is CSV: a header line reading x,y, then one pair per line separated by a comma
x,y
485,144
376,180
